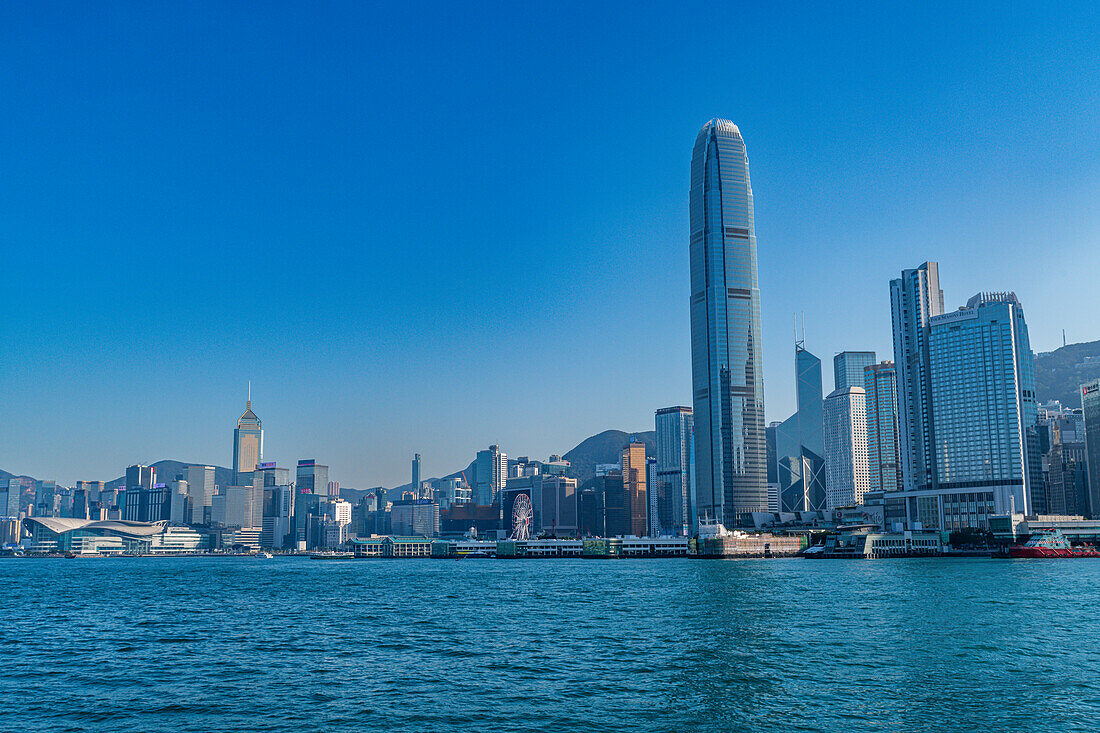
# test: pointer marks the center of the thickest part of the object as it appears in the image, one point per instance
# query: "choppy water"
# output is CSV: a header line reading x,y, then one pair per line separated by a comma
x,y
548,645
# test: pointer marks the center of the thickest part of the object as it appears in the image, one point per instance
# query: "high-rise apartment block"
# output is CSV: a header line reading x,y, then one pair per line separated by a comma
x,y
726,362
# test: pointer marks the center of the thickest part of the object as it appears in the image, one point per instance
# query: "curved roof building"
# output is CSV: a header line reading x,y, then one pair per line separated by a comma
x,y
727,374
63,534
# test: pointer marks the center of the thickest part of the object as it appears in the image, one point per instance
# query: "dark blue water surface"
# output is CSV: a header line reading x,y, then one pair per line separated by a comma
x,y
292,644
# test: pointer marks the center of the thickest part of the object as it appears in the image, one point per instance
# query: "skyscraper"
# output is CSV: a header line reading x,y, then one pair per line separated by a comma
x,y
915,298
848,368
845,447
492,474
634,484
248,444
312,478
883,458
1090,406
982,391
800,441
727,373
200,481
672,491
416,473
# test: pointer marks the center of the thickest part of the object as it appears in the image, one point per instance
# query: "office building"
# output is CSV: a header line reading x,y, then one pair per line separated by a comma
x,y
491,471
800,442
179,502
634,484
278,510
416,472
1066,479
848,368
135,498
614,505
45,499
312,478
726,363
452,491
984,411
915,298
556,503
653,497
239,506
672,490
883,450
248,444
273,475
415,518
846,474
1090,408
91,489
11,498
21,495
200,481
590,513
968,424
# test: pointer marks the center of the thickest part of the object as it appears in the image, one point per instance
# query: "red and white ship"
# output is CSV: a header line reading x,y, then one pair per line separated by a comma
x,y
1053,544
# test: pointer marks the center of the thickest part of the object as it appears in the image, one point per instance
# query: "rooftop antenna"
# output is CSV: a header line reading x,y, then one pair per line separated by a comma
x,y
249,405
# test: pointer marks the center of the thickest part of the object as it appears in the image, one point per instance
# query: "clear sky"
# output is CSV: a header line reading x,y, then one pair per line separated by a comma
x,y
429,227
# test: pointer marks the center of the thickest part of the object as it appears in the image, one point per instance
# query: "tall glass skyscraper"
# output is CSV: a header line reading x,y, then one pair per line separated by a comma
x,y
727,371
1090,406
915,298
800,441
848,368
671,492
884,463
983,398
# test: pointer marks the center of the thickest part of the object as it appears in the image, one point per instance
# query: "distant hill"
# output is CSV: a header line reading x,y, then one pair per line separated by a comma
x,y
605,447
1059,374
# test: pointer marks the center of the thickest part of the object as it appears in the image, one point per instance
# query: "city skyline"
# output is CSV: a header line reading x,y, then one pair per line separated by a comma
x,y
154,188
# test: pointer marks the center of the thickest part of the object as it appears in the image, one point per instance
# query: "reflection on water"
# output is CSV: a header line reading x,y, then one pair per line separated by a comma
x,y
292,644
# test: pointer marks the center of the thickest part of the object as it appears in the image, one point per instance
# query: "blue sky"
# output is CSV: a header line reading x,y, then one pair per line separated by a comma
x,y
424,227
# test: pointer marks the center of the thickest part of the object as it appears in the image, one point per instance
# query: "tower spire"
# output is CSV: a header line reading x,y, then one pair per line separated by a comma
x,y
248,404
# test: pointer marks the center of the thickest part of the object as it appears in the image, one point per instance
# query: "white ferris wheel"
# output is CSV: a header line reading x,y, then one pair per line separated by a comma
x,y
522,514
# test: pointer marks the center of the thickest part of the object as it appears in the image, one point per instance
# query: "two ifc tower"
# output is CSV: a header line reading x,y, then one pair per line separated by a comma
x,y
727,378
726,366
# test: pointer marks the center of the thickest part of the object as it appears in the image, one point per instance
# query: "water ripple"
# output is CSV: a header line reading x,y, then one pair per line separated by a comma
x,y
299,645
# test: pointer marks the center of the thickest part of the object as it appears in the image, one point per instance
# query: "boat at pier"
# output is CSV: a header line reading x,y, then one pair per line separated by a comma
x,y
1051,544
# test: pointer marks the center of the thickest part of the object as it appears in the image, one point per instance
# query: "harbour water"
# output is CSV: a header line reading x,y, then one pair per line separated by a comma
x,y
290,644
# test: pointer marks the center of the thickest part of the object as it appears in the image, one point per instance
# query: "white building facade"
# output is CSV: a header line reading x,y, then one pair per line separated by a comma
x,y
846,467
